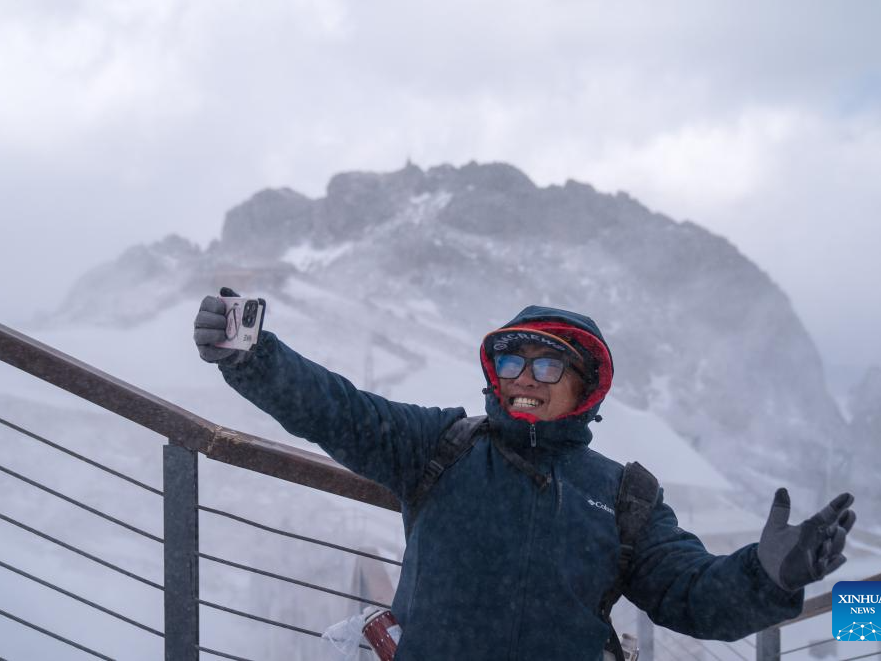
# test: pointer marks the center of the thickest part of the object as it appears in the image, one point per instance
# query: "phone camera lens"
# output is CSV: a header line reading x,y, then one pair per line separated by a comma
x,y
249,314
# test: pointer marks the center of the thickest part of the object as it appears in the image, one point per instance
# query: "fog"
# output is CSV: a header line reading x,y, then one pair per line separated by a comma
x,y
120,124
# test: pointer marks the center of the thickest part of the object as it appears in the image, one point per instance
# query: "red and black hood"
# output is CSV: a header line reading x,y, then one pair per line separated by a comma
x,y
571,333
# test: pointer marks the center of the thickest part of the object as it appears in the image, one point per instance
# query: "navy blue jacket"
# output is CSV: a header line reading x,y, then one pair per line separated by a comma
x,y
496,567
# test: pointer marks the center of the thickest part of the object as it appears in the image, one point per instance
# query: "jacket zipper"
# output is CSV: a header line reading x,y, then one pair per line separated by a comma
x,y
524,571
524,580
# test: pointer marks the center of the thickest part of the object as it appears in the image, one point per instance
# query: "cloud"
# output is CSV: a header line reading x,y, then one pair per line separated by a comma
x,y
123,122
693,167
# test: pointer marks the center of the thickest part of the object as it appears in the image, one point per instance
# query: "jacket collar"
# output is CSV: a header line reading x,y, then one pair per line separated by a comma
x,y
551,436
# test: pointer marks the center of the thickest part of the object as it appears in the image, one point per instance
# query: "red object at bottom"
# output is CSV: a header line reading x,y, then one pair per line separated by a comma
x,y
382,632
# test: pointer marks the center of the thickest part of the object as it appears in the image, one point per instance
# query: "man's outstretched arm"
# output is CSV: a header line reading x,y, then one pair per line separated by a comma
x,y
683,587
385,441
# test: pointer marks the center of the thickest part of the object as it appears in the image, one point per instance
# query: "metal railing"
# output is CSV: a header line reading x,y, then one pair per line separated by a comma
x,y
188,436
131,575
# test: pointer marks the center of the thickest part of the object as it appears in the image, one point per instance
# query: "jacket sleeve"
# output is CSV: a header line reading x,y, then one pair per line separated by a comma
x,y
384,441
687,589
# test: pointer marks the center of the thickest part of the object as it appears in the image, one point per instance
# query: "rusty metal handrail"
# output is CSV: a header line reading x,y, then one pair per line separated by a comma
x,y
186,428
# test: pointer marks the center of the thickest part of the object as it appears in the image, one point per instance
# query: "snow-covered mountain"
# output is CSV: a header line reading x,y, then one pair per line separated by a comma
x,y
700,335
392,280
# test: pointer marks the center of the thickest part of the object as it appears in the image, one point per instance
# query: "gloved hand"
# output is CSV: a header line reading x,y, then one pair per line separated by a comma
x,y
210,328
794,556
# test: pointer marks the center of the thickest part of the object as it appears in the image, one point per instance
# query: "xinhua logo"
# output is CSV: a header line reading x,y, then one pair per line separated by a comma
x,y
856,610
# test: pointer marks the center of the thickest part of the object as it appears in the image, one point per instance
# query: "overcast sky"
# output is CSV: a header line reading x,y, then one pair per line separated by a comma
x,y
121,122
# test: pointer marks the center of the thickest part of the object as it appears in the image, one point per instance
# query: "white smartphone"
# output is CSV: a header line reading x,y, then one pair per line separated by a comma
x,y
244,321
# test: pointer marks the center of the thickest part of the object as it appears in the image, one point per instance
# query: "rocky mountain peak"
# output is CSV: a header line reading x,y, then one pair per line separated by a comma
x,y
261,227
701,336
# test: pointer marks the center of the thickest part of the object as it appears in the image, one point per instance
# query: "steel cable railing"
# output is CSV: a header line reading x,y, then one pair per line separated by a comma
x,y
660,635
78,551
287,579
264,620
733,650
664,635
36,484
259,618
80,599
155,585
673,654
72,548
299,537
207,557
80,457
83,506
294,581
187,436
724,644
239,566
808,646
222,655
862,656
818,643
46,632
705,648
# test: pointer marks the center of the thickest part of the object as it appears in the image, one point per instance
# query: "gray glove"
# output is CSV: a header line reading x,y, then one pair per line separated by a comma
x,y
794,556
210,328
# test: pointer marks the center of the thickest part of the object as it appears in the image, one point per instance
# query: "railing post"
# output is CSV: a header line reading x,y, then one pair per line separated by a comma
x,y
768,645
645,635
181,500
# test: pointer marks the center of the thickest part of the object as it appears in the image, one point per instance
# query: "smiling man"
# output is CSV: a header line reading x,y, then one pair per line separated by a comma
x,y
540,381
514,537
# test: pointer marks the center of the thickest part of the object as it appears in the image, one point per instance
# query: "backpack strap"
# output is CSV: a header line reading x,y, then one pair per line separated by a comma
x,y
456,441
637,496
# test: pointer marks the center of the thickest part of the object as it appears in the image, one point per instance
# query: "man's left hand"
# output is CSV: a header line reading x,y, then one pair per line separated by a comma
x,y
794,556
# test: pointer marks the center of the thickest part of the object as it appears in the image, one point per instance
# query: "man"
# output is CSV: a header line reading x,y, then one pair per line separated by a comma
x,y
512,550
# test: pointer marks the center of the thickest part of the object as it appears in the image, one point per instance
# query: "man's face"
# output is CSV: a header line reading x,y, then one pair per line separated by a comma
x,y
545,401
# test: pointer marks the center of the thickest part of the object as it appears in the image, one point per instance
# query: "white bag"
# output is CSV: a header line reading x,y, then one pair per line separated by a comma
x,y
346,636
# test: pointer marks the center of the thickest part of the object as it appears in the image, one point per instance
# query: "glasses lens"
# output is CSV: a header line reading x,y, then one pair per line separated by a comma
x,y
509,366
548,370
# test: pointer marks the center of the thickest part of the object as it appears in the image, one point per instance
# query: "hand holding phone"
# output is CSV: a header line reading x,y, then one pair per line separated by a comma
x,y
227,327
244,321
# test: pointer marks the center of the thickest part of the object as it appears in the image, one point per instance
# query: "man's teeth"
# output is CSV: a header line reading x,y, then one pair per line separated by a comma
x,y
525,402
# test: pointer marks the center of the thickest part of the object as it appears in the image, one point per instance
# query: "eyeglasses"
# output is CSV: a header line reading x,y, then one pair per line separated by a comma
x,y
544,369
